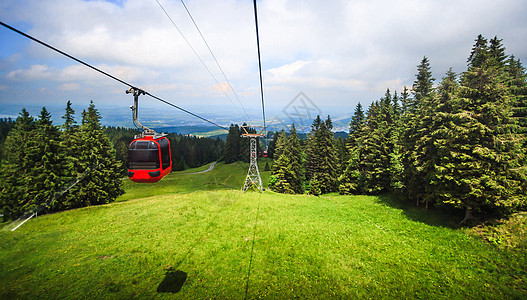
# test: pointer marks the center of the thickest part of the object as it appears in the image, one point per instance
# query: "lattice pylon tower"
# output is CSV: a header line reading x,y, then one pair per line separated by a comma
x,y
253,175
253,178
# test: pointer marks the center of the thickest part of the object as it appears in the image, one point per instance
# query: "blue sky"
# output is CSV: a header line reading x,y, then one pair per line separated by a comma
x,y
336,52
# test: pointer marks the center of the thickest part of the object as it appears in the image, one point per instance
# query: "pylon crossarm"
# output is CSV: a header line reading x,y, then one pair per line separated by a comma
x,y
253,135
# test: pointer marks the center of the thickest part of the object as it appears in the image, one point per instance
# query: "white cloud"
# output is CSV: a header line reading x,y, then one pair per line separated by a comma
x,y
320,74
338,50
288,70
78,72
161,87
69,86
222,87
35,72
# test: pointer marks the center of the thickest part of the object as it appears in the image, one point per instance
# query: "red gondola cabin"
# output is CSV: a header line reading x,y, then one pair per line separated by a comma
x,y
149,159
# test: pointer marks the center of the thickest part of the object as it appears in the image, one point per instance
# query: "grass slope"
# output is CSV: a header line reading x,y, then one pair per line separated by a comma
x,y
225,244
222,177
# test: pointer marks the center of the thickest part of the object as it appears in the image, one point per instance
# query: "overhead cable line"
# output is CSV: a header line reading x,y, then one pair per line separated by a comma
x,y
107,74
214,56
201,60
64,53
184,110
259,61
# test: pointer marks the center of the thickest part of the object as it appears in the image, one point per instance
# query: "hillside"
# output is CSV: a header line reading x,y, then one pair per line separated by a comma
x,y
200,236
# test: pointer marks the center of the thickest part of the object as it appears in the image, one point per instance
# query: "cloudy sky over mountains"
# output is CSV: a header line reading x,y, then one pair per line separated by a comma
x,y
336,52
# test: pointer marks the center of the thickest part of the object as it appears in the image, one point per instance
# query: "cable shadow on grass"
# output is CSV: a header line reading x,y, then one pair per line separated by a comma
x,y
433,216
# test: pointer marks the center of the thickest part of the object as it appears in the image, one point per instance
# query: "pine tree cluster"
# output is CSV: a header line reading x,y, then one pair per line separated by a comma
x,y
191,151
41,159
6,125
287,173
313,167
460,144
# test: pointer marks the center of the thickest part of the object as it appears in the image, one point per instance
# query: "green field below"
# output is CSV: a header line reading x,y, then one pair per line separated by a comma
x,y
198,236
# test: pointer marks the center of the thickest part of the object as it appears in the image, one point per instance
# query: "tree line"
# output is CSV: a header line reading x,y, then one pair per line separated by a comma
x,y
192,151
41,160
187,151
459,144
6,124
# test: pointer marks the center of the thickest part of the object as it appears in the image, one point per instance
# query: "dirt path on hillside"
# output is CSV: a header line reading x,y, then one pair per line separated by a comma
x,y
205,171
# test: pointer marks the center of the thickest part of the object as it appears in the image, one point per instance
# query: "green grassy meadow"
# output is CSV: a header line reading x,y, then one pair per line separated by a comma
x,y
199,236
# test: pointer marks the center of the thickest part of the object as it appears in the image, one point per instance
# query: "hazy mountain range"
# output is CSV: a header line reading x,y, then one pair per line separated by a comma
x,y
172,120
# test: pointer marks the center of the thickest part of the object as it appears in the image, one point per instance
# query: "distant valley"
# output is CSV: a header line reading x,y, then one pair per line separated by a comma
x,y
171,120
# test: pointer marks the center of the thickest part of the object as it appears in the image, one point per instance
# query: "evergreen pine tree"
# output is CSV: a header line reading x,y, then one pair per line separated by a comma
x,y
48,170
313,148
6,125
103,184
287,175
232,147
396,171
328,174
294,150
16,168
396,128
377,146
479,52
518,86
356,120
405,101
484,167
375,161
423,86
397,109
314,186
69,124
497,52
349,179
321,155
430,138
280,141
70,148
342,154
438,144
423,92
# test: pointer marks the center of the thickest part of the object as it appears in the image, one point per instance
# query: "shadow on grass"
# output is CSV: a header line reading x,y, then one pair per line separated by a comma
x,y
434,216
173,281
